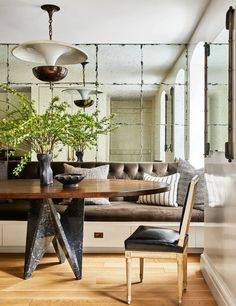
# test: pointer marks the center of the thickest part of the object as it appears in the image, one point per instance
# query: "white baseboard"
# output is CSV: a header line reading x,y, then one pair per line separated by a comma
x,y
217,285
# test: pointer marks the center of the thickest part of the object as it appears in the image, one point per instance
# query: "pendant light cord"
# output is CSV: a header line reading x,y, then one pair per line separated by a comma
x,y
51,9
83,74
83,65
50,24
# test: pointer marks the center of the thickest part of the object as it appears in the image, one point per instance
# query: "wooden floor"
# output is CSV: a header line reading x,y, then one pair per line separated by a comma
x,y
103,283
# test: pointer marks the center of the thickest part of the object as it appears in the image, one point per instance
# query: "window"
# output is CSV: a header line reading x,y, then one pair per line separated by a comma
x,y
196,145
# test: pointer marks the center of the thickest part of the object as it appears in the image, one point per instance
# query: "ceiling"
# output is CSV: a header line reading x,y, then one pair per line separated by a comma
x,y
102,21
110,21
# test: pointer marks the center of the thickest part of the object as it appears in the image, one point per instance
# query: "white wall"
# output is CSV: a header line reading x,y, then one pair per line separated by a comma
x,y
211,24
218,260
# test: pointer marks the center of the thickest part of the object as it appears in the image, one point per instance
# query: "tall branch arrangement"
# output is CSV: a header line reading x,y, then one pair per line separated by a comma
x,y
56,127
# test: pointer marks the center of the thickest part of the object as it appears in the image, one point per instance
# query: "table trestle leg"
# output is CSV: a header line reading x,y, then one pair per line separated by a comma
x,y
69,233
40,233
58,250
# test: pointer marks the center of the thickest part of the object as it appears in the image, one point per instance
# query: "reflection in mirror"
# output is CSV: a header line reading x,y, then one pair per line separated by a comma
x,y
154,68
230,21
20,71
169,120
9,103
162,130
126,141
206,140
217,187
217,93
119,64
75,72
158,60
166,147
172,102
3,63
179,114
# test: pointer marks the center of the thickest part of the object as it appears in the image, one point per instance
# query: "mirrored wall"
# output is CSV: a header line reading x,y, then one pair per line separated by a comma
x,y
145,85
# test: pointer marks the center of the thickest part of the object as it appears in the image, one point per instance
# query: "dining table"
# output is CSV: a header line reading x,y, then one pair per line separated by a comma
x,y
66,229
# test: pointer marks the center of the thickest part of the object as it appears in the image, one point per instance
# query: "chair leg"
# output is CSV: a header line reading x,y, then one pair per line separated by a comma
x,y
185,263
128,279
180,277
141,266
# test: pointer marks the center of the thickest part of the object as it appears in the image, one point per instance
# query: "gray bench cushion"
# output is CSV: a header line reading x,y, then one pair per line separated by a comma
x,y
117,211
128,211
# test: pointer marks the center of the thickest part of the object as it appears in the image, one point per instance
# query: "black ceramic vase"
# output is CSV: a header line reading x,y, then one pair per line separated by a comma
x,y
79,155
46,175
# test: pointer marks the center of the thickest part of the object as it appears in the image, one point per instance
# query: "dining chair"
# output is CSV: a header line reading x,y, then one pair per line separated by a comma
x,y
155,242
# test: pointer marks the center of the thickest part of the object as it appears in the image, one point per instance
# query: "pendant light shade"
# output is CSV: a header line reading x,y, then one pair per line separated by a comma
x,y
51,54
84,92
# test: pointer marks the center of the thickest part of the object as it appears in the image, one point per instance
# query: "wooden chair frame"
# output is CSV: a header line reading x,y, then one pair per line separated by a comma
x,y
181,258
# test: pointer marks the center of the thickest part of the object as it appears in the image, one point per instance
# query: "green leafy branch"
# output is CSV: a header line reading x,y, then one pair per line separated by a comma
x,y
56,127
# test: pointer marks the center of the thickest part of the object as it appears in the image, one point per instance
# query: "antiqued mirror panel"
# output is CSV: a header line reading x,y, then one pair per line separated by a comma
x,y
75,72
179,115
125,142
20,71
3,63
158,60
119,64
139,82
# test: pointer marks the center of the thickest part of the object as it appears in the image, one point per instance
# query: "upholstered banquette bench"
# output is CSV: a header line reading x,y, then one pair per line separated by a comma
x,y
106,226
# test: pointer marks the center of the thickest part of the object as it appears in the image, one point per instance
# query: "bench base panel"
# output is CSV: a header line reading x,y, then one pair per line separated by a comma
x,y
99,237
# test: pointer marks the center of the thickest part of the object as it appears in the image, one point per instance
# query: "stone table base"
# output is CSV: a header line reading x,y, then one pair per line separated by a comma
x,y
66,234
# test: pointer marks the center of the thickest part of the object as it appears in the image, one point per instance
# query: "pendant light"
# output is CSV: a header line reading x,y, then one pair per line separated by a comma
x,y
84,92
50,53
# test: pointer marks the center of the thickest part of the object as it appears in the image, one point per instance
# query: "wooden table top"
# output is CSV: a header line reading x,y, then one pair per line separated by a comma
x,y
31,189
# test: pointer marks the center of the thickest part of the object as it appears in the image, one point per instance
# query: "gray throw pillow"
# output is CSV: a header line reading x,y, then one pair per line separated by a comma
x,y
100,172
187,172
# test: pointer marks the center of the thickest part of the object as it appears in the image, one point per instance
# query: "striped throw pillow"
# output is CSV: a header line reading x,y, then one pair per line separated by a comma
x,y
165,198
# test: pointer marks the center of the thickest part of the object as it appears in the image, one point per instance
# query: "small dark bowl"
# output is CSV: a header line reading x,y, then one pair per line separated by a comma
x,y
69,180
84,103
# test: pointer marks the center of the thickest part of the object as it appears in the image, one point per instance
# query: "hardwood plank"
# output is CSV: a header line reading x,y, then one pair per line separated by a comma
x,y
103,283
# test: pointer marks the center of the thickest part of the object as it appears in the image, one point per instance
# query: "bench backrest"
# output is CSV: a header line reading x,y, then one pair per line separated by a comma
x,y
117,170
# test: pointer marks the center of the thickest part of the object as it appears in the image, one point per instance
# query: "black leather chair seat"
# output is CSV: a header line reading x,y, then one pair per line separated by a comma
x,y
125,211
150,238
